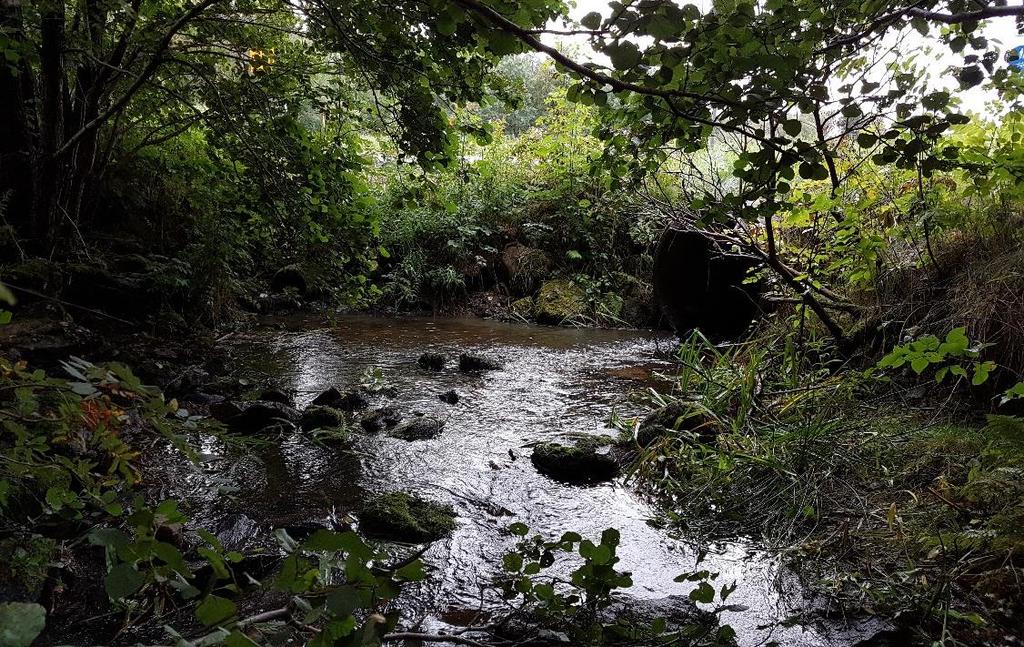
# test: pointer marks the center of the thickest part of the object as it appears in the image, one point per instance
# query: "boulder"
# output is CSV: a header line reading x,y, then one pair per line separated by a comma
x,y
379,419
675,417
587,461
355,400
399,516
418,429
249,417
289,276
560,300
277,395
522,308
469,362
639,307
432,361
702,287
449,397
316,416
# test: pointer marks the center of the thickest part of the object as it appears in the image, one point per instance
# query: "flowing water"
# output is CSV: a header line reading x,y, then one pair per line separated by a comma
x,y
556,382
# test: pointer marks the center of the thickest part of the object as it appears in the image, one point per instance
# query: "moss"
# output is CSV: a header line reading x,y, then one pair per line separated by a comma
x,y
317,416
560,300
400,516
581,462
522,308
24,565
418,429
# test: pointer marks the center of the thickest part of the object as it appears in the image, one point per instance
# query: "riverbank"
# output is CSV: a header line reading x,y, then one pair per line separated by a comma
x,y
892,498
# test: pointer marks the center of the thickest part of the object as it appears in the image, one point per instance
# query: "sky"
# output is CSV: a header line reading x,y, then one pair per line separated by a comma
x,y
1002,30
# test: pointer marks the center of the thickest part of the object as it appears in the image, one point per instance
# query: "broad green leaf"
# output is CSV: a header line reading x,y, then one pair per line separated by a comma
x,y
215,610
123,581
21,623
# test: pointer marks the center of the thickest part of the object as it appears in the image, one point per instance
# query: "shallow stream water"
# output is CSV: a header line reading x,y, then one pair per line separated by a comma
x,y
556,381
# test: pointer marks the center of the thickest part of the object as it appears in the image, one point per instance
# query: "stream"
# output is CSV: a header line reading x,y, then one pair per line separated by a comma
x,y
555,381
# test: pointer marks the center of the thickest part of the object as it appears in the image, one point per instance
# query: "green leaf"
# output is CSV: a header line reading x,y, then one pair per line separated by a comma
x,y
21,623
592,20
703,593
918,364
6,296
624,55
325,541
215,610
109,538
239,639
792,127
518,529
122,581
866,140
512,562
412,572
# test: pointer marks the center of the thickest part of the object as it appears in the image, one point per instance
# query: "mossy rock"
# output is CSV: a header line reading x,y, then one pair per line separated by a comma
x,y
418,429
582,462
469,362
522,308
673,418
382,418
24,565
318,416
432,361
609,307
559,301
400,516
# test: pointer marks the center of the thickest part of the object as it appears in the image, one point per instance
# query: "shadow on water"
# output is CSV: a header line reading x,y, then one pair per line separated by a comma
x,y
556,381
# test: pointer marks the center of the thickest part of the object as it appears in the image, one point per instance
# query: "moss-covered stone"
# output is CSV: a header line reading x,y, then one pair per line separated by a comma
x,y
382,418
609,308
582,462
317,416
522,308
24,565
400,516
432,361
560,300
469,362
418,429
673,418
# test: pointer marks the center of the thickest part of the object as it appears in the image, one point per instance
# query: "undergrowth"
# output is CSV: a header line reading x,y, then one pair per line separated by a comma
x,y
871,482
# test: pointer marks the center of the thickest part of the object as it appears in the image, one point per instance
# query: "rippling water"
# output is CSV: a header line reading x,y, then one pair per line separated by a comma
x,y
556,381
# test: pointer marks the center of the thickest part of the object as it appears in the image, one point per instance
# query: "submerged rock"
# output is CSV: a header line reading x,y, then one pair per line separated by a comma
x,y
400,516
469,362
583,462
560,300
317,415
432,361
236,531
354,400
449,397
379,419
250,417
418,429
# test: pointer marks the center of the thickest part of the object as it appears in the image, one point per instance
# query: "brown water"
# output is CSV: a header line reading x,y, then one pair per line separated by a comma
x,y
556,381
